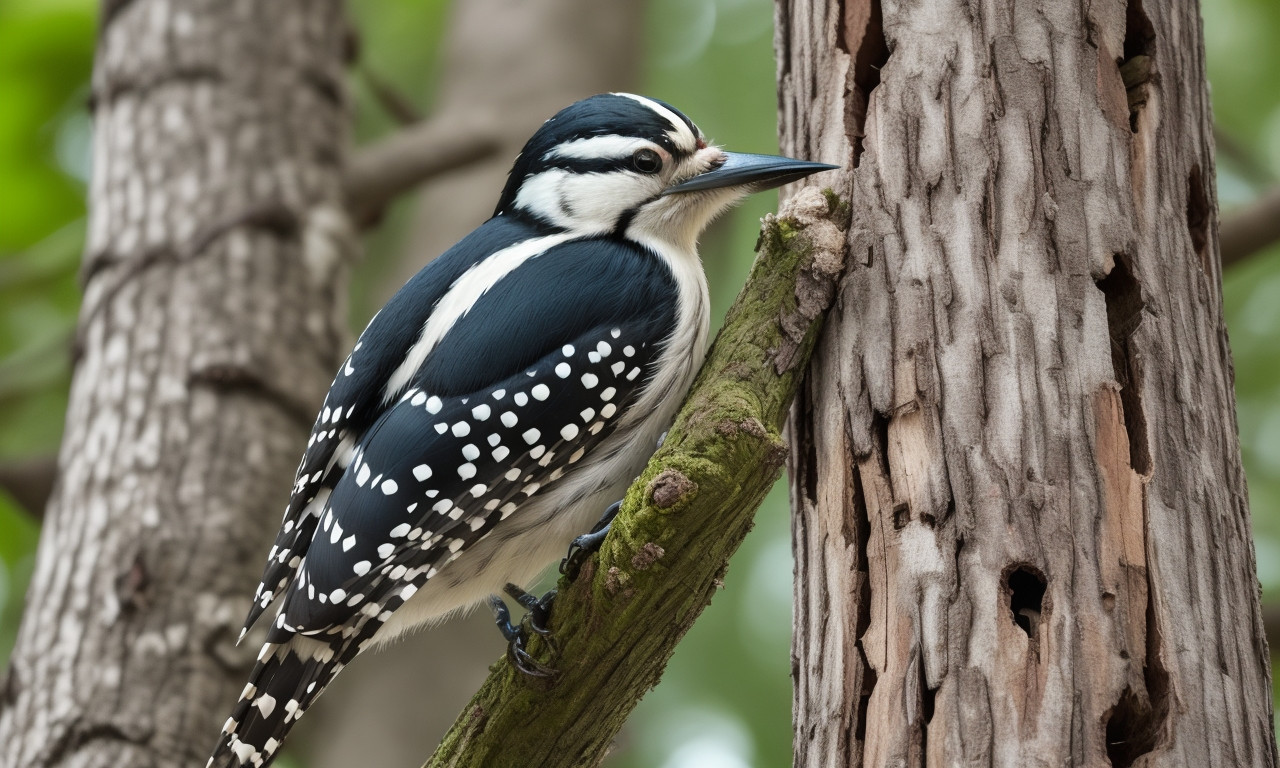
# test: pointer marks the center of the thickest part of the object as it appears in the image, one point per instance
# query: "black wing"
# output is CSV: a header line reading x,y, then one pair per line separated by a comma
x,y
356,397
435,475
536,375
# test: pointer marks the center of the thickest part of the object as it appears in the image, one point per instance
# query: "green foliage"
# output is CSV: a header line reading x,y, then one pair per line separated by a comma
x,y
45,53
1243,59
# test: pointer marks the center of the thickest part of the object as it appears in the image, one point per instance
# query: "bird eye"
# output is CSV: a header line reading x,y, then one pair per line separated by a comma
x,y
646,161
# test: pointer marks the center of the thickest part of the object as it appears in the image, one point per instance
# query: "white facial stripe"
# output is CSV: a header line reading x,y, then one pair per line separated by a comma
x,y
460,297
585,203
599,148
681,135
540,195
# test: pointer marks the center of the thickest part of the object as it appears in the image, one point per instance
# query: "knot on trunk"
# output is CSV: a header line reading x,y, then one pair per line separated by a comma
x,y
670,488
649,554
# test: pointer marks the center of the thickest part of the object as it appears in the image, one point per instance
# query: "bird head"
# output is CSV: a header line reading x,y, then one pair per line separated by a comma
x,y
634,167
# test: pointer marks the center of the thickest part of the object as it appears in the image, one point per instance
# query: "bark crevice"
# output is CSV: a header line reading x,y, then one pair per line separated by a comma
x,y
1137,65
860,34
1198,214
1125,306
141,84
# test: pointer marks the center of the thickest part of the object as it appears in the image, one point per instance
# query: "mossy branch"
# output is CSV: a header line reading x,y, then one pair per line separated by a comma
x,y
617,625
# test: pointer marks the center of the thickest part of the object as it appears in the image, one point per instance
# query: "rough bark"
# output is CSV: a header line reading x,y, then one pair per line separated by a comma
x,y
616,626
1021,528
508,66
212,312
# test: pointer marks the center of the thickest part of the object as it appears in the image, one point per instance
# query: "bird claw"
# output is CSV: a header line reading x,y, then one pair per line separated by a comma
x,y
588,543
521,660
539,609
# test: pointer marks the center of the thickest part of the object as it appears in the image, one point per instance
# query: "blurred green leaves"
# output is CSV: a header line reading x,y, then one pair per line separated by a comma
x,y
45,53
46,50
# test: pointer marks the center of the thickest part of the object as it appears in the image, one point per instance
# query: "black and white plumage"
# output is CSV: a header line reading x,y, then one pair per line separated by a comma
x,y
500,401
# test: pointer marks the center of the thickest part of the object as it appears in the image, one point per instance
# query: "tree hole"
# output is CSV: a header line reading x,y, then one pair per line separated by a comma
x,y
857,527
1133,727
927,695
1026,587
901,516
1139,53
861,35
862,533
864,697
1198,217
1124,314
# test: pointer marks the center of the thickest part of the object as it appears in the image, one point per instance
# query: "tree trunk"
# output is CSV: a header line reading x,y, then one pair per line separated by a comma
x,y
212,312
1021,528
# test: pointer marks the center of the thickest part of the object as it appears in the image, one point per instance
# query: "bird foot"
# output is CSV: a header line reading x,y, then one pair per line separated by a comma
x,y
589,543
539,609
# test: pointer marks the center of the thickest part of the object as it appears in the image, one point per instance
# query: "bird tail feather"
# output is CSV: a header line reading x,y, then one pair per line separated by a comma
x,y
285,681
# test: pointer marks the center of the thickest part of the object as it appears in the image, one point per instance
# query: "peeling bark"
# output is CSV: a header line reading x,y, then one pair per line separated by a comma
x,y
1021,527
212,310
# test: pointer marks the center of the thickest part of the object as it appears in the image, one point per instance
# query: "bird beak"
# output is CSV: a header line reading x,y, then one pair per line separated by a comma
x,y
760,172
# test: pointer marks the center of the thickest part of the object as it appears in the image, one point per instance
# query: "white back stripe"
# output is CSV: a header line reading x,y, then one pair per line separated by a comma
x,y
459,299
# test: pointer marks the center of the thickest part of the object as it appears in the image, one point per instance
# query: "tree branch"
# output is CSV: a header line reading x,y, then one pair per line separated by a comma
x,y
1242,159
392,101
377,174
618,624
1250,230
30,482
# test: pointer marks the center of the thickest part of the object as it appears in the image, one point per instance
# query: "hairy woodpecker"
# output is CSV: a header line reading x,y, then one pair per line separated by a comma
x,y
500,400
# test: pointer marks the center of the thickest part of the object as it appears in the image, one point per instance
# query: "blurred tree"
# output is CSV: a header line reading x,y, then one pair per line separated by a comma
x,y
216,246
1021,529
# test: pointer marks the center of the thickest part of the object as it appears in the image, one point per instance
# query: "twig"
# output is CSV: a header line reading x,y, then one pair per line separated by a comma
x,y
1242,159
617,625
392,101
30,482
377,174
1251,229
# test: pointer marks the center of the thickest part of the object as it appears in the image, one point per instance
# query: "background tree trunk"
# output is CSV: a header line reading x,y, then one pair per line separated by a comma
x,y
210,328
1021,526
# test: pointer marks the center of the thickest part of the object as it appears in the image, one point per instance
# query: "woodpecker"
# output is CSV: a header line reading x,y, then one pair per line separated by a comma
x,y
499,401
